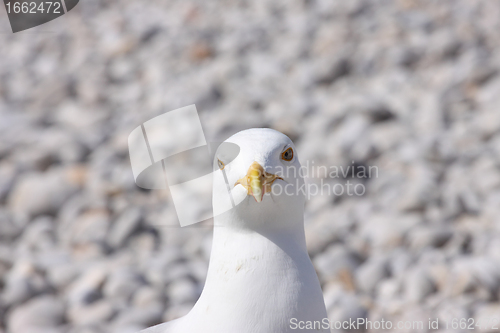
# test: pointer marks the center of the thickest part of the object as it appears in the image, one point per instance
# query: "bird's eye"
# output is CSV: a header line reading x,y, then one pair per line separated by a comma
x,y
221,165
287,155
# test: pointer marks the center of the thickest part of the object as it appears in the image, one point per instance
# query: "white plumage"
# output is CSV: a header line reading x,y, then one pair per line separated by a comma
x,y
260,275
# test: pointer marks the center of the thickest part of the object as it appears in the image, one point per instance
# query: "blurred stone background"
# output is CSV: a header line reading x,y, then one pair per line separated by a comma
x,y
409,86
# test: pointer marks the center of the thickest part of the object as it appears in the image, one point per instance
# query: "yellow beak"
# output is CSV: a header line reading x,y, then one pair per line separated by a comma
x,y
257,181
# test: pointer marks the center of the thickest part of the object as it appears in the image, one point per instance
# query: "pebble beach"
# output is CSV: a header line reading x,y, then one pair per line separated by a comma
x,y
408,88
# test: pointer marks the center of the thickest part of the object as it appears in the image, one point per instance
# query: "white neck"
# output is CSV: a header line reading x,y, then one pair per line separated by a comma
x,y
260,275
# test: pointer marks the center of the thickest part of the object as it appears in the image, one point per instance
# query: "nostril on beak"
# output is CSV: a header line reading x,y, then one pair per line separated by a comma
x,y
257,181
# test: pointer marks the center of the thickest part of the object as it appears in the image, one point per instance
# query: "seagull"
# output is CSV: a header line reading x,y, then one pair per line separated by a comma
x,y
260,278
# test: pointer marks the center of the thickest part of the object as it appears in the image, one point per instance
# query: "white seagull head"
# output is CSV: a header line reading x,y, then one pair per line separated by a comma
x,y
263,181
